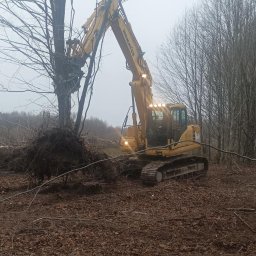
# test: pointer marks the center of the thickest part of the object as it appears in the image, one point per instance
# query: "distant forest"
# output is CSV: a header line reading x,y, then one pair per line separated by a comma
x,y
17,128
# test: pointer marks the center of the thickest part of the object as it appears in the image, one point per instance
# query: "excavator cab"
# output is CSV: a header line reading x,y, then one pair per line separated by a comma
x,y
165,124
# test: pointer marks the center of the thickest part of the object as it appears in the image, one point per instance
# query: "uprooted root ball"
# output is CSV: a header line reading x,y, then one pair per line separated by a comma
x,y
58,151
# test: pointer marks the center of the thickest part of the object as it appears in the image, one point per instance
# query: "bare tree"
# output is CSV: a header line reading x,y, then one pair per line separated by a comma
x,y
182,66
35,35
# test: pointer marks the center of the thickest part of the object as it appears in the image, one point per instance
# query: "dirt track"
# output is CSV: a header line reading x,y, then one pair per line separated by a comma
x,y
173,218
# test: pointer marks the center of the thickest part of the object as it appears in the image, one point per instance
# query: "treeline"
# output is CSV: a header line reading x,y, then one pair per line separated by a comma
x,y
98,128
209,63
17,128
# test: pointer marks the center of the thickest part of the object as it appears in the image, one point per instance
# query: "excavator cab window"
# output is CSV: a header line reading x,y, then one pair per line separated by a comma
x,y
157,115
178,122
179,117
158,127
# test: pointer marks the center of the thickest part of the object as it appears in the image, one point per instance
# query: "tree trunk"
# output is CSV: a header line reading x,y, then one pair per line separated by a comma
x,y
62,88
64,105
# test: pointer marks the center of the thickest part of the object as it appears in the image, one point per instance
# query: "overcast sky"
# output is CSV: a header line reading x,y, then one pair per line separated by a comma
x,y
151,21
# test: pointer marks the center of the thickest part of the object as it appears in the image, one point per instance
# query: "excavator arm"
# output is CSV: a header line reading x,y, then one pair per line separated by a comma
x,y
110,13
142,80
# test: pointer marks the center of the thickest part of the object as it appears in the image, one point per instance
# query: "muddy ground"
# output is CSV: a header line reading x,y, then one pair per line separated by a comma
x,y
211,216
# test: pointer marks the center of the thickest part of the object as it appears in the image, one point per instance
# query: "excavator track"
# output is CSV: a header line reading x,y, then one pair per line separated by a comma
x,y
181,167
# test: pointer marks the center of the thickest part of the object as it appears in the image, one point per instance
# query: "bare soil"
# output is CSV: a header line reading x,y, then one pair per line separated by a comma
x,y
211,216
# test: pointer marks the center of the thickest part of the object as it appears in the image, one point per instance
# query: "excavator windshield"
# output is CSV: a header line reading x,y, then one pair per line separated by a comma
x,y
158,126
157,115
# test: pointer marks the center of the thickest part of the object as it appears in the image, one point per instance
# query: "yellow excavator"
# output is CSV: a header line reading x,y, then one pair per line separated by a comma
x,y
160,132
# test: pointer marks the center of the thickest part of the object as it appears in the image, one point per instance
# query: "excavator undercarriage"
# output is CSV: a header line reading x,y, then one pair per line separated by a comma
x,y
153,172
180,167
